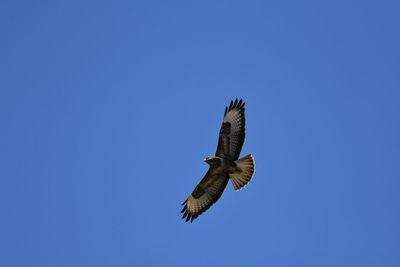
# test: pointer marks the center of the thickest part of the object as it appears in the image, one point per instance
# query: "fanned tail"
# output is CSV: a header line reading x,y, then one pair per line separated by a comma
x,y
246,168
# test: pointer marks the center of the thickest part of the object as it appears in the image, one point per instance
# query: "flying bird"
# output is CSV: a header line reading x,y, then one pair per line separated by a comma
x,y
224,165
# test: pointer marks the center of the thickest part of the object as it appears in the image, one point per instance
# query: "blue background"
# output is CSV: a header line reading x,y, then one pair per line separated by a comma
x,y
107,110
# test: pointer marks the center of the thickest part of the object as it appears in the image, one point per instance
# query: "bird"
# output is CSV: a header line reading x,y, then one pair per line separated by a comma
x,y
224,166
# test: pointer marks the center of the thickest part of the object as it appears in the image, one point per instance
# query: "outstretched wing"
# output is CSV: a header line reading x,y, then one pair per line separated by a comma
x,y
206,193
232,133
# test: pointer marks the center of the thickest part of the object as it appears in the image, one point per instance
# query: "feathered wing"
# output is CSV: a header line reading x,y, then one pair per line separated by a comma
x,y
206,193
232,133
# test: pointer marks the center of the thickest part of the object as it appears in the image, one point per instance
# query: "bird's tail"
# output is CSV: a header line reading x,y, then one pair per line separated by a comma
x,y
244,173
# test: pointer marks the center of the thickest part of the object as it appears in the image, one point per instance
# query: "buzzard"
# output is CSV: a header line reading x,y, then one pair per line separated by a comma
x,y
224,165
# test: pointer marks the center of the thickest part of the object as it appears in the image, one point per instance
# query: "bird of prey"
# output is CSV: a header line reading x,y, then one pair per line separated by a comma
x,y
224,165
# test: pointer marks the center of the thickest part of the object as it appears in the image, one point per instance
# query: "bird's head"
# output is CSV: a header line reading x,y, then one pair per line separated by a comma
x,y
212,161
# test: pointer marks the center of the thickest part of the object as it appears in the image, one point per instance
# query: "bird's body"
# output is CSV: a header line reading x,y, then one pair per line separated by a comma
x,y
224,165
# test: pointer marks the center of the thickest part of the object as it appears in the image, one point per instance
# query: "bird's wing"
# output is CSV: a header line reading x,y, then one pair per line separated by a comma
x,y
206,193
232,133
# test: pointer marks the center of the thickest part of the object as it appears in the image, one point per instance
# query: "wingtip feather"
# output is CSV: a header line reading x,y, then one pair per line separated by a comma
x,y
238,103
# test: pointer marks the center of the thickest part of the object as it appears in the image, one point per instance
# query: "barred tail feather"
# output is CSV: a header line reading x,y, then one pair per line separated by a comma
x,y
246,168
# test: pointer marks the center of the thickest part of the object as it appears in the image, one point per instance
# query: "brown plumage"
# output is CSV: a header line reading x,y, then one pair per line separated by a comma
x,y
224,165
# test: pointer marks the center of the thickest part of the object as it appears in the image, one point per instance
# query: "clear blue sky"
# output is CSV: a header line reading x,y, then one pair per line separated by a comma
x,y
107,110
